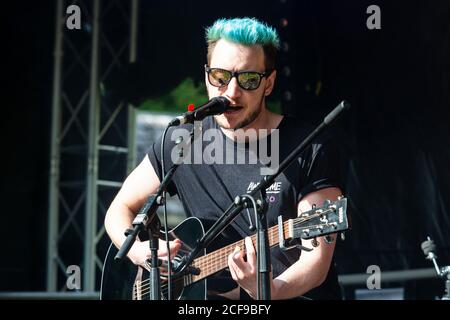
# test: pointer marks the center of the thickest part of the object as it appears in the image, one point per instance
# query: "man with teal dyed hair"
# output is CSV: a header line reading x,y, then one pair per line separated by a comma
x,y
242,45
241,67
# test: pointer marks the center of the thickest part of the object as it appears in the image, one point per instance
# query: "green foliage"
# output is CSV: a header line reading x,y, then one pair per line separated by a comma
x,y
185,93
178,99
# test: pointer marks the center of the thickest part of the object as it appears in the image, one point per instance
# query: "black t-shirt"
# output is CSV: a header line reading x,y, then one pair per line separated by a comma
x,y
207,190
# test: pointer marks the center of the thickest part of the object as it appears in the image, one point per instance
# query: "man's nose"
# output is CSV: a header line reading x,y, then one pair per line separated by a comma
x,y
233,90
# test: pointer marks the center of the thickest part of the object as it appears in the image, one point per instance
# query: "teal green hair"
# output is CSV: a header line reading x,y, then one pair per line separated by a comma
x,y
245,31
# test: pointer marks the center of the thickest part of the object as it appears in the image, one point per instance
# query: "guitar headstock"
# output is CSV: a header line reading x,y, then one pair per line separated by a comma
x,y
331,217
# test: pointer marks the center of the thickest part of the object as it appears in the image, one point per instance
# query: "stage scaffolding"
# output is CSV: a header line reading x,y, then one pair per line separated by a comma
x,y
92,142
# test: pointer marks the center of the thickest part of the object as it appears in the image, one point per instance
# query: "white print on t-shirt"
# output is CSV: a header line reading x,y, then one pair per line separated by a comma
x,y
274,188
213,152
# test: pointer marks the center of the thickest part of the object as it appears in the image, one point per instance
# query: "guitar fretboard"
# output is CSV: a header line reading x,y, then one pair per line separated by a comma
x,y
218,260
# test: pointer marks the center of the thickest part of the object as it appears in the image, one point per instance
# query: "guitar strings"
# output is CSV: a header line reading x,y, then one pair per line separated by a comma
x,y
222,256
218,258
312,216
209,266
146,283
146,290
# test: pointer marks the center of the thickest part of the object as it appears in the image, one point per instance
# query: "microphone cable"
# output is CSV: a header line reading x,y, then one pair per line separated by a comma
x,y
166,229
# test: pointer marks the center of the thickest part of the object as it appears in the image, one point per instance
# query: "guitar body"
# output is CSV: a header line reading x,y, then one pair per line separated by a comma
x,y
124,280
119,279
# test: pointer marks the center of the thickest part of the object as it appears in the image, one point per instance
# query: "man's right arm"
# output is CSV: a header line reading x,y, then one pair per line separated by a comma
x,y
142,182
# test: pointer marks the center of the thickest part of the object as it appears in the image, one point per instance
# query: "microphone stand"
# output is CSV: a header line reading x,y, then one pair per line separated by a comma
x,y
147,221
242,201
428,248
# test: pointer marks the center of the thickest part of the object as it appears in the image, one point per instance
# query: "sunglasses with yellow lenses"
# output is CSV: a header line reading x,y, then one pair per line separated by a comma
x,y
247,80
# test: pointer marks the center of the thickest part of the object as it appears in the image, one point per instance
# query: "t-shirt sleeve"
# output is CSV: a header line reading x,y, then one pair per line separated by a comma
x,y
324,168
154,155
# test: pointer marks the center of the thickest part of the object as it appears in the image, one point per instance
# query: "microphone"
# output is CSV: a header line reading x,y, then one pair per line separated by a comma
x,y
216,105
428,248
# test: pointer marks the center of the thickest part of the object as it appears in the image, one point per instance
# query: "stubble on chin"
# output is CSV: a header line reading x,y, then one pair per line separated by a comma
x,y
223,123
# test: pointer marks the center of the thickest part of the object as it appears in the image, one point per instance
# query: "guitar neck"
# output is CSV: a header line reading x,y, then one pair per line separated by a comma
x,y
218,260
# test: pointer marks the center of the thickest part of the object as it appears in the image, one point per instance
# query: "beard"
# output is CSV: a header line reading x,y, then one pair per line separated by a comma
x,y
244,122
248,119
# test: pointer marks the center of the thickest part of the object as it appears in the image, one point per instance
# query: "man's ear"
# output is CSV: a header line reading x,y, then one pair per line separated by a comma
x,y
270,83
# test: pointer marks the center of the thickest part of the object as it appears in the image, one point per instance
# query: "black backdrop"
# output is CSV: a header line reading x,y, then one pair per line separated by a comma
x,y
396,137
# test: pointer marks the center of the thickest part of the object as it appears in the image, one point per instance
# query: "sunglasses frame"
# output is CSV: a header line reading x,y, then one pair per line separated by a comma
x,y
208,70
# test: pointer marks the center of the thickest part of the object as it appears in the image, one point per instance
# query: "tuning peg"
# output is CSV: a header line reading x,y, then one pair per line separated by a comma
x,y
160,200
315,243
342,236
329,239
179,140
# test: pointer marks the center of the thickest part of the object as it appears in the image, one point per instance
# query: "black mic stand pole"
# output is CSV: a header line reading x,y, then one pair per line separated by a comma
x,y
236,207
263,248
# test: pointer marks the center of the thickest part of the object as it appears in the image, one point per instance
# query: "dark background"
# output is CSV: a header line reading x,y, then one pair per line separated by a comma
x,y
395,139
